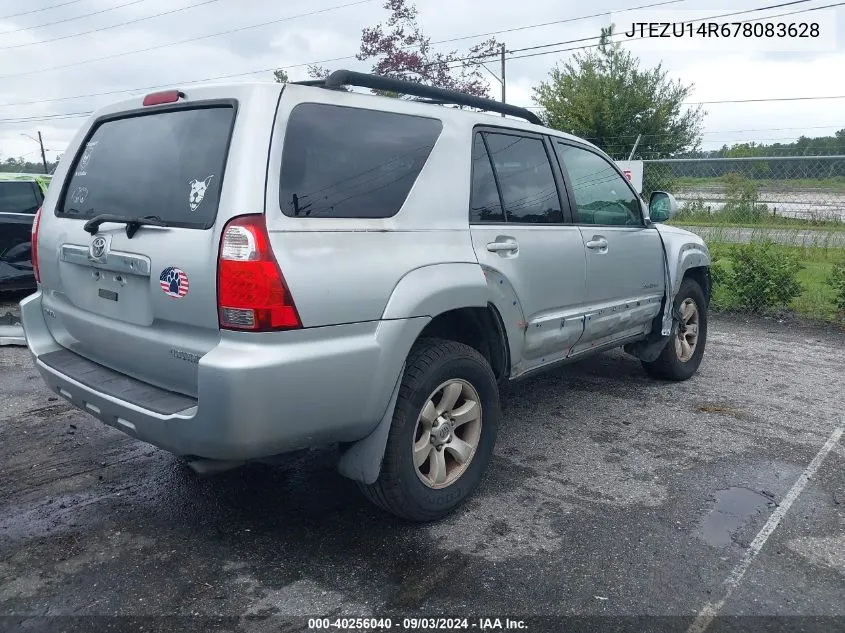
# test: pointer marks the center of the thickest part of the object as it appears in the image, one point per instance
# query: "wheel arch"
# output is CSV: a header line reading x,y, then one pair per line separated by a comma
x,y
701,275
480,327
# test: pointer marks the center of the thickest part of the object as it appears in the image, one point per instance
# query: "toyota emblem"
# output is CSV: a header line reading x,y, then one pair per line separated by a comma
x,y
98,247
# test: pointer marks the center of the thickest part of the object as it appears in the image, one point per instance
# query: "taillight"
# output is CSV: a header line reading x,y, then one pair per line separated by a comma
x,y
251,291
167,96
34,245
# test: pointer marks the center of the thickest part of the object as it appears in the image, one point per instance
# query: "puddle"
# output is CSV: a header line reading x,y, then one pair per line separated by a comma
x,y
733,509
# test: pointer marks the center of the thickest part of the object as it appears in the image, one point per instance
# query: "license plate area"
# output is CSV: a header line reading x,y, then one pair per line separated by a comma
x,y
118,288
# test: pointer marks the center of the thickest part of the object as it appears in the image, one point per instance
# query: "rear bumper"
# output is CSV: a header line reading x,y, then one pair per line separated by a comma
x,y
258,394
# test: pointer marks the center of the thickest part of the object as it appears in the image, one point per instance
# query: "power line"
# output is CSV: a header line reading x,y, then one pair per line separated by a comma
x,y
73,115
334,59
777,129
575,48
555,22
469,58
770,99
188,40
173,83
766,100
49,117
113,26
742,131
626,138
54,6
78,17
711,17
632,39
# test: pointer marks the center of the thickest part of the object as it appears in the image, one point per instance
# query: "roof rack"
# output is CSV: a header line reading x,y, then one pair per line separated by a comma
x,y
340,78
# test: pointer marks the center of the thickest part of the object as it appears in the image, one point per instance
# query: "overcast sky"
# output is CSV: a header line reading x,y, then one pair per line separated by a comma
x,y
177,49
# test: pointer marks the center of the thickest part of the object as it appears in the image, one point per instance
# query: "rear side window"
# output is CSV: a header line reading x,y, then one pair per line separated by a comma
x,y
19,197
525,178
341,162
485,205
169,164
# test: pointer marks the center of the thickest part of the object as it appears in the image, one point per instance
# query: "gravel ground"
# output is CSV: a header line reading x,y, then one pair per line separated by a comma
x,y
610,495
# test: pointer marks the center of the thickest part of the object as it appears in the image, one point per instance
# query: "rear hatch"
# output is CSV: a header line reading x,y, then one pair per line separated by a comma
x,y
143,304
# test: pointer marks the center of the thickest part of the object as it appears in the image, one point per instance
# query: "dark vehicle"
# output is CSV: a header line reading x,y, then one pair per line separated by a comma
x,y
20,197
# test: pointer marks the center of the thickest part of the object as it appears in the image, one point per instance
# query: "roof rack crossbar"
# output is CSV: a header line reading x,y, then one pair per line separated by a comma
x,y
340,78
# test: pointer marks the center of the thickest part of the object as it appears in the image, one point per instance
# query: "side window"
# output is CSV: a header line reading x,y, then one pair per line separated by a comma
x,y
342,162
601,195
485,205
525,177
18,197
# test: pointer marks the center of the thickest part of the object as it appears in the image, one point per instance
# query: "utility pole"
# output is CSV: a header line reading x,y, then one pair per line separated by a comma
x,y
40,142
503,73
43,155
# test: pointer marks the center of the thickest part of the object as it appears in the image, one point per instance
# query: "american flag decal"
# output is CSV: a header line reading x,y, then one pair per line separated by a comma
x,y
173,282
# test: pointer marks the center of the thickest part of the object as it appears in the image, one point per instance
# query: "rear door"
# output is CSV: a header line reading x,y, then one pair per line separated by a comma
x,y
625,271
144,305
520,233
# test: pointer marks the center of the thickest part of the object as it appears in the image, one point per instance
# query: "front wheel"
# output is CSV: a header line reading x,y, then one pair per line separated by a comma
x,y
682,355
442,434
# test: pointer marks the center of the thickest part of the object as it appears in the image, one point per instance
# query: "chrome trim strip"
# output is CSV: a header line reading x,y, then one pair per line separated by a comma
x,y
115,261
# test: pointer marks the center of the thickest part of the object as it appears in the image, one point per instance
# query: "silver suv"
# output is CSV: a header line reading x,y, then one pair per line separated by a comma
x,y
232,273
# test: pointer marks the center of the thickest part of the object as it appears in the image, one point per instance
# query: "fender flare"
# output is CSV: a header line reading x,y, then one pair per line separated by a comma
x,y
681,258
437,288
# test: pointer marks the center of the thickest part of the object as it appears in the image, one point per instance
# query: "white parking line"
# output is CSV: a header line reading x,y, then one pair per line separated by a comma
x,y
711,609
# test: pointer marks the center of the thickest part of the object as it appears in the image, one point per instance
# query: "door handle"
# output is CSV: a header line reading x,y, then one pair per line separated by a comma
x,y
598,243
504,246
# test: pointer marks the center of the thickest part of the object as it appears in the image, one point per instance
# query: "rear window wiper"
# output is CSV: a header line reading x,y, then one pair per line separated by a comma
x,y
132,224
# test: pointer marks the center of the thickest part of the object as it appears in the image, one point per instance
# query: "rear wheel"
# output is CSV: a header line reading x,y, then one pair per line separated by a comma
x,y
442,435
682,355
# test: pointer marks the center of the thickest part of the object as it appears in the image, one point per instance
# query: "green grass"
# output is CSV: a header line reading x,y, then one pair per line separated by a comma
x,y
836,183
770,222
815,302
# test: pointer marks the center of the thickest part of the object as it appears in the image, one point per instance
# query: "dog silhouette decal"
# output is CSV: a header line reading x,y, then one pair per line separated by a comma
x,y
198,189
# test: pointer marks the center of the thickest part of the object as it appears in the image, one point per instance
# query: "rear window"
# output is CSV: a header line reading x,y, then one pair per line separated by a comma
x,y
169,164
19,197
341,162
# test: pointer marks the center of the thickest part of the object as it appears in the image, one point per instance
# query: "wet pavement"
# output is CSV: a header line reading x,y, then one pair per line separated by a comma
x,y
610,494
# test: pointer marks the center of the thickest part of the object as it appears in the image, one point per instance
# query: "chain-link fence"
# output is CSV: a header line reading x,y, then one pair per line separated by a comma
x,y
796,200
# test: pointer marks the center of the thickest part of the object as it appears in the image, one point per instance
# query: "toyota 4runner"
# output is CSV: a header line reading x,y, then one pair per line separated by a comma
x,y
235,272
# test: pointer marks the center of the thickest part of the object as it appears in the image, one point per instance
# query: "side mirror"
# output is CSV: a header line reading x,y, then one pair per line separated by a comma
x,y
662,206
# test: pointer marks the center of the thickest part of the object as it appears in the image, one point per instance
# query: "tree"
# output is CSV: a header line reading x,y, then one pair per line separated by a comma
x,y
603,95
401,50
23,166
281,76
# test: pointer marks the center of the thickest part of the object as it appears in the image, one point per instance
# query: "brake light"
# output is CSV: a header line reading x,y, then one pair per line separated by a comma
x,y
34,245
167,96
251,291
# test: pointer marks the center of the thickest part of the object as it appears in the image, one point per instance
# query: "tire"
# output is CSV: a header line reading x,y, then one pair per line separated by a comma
x,y
671,364
400,488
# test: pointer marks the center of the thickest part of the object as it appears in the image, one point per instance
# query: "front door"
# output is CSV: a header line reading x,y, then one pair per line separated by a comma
x,y
532,255
625,270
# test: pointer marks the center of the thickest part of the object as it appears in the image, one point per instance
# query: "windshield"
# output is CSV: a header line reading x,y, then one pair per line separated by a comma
x,y
169,164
